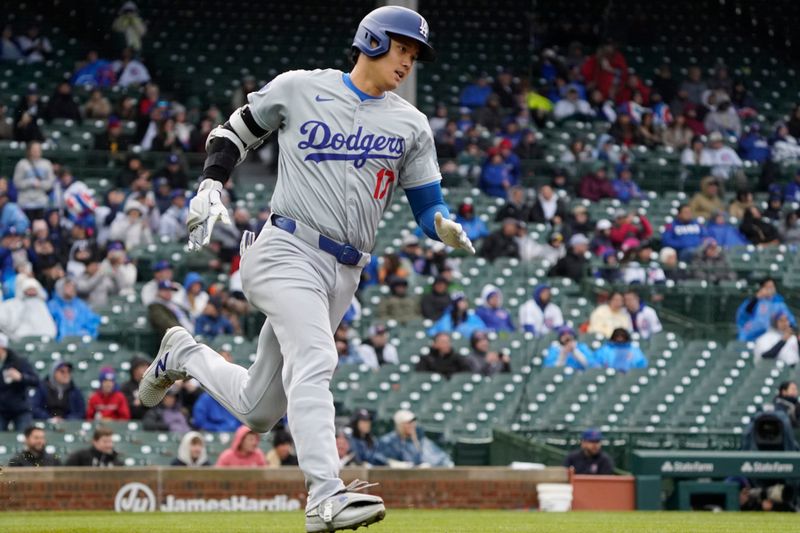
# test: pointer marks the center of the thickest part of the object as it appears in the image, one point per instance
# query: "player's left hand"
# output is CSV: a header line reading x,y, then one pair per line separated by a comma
x,y
204,211
452,234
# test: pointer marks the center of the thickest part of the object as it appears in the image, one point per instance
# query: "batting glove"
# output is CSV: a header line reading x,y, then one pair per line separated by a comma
x,y
204,211
452,234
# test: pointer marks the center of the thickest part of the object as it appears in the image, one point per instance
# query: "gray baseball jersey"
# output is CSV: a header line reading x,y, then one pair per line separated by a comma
x,y
341,158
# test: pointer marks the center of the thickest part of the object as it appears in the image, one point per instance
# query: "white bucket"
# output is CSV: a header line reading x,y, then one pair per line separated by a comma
x,y
554,497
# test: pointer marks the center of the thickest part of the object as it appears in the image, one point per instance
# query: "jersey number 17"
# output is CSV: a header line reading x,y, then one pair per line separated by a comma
x,y
385,179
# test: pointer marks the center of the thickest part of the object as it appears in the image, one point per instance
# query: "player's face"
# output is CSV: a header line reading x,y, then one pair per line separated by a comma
x,y
395,66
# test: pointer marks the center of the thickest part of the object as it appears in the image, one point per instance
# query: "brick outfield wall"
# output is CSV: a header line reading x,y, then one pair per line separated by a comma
x,y
27,489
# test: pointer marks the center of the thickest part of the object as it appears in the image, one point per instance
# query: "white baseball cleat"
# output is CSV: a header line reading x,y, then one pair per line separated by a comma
x,y
348,509
163,372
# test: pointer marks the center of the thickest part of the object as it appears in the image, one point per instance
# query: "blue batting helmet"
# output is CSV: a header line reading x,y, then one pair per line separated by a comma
x,y
379,25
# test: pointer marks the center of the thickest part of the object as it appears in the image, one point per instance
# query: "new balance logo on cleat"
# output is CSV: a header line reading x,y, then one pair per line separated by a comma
x,y
162,364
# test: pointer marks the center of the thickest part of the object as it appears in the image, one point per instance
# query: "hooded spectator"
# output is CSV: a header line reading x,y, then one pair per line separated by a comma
x,y
754,314
17,377
192,451
595,185
606,70
168,415
610,316
473,225
26,118
132,226
684,234
107,402
34,454
566,351
363,442
476,93
757,230
754,146
209,415
57,398
131,387
130,24
573,264
625,188
458,317
100,454
673,269
399,305
11,216
601,242
196,295
62,105
408,445
540,315
434,303
243,451
643,317
442,359
710,263
774,210
211,323
708,200
73,316
27,315
501,242
282,452
496,177
485,361
779,342
627,226
165,312
723,232
162,271
492,312
34,179
376,350
723,119
619,353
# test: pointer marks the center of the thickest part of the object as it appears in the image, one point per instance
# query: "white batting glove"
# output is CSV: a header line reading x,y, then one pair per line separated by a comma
x,y
204,211
452,234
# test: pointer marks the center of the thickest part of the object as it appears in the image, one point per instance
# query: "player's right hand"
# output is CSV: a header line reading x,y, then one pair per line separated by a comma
x,y
204,211
452,234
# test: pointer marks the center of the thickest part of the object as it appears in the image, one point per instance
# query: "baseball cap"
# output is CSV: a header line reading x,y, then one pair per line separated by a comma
x,y
397,280
173,159
592,435
619,213
164,284
441,279
61,364
10,231
410,240
403,416
107,374
377,329
603,224
161,265
578,239
115,246
715,136
362,414
176,193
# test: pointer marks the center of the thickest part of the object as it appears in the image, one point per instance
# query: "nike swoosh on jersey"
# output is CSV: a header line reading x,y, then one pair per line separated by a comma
x,y
321,99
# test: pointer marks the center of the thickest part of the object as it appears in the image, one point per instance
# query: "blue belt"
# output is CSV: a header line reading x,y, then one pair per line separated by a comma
x,y
345,254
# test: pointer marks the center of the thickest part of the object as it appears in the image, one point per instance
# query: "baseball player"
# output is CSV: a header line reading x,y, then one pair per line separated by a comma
x,y
346,143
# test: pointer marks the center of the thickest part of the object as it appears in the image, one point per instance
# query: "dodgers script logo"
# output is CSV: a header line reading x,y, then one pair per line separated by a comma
x,y
357,147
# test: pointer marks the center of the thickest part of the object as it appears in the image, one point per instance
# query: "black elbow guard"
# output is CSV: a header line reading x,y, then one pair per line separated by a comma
x,y
221,160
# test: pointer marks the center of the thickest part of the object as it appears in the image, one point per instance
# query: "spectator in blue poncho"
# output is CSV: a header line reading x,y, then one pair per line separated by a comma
x,y
73,316
473,225
567,351
619,353
458,317
755,313
723,232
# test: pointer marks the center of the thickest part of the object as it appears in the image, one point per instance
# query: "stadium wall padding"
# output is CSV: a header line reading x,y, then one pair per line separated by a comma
x,y
283,489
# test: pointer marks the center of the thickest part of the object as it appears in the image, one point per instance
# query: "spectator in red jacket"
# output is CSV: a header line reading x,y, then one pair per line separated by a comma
x,y
107,402
596,185
627,226
632,86
243,451
606,71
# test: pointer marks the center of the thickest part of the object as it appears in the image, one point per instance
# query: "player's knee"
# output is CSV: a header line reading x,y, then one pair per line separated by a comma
x,y
318,367
260,422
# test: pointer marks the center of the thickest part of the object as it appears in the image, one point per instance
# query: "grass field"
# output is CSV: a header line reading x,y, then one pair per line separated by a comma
x,y
406,521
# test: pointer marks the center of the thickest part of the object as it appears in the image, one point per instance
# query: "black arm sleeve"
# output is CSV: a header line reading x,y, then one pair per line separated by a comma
x,y
221,159
773,352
